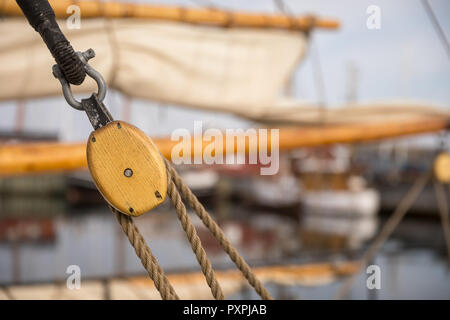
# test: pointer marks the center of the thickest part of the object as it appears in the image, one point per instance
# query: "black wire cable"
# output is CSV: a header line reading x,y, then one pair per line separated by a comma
x,y
42,18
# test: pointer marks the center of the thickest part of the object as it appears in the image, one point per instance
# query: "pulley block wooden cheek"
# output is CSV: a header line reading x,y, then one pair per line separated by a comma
x,y
442,167
127,168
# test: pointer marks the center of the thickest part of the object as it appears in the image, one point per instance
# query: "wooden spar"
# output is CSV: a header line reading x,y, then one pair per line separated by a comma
x,y
287,274
190,285
44,157
207,16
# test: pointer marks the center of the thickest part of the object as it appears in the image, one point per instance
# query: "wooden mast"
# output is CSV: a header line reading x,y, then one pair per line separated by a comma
x,y
206,16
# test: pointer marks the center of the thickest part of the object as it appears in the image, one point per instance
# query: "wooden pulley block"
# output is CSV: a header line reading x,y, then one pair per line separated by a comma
x,y
442,167
127,168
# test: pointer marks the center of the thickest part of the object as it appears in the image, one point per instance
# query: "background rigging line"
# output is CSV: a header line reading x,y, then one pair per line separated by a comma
x,y
316,65
437,27
318,75
283,7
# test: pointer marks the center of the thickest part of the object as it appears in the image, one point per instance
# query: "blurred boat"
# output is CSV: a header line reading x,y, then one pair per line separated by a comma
x,y
14,230
336,232
202,181
332,186
392,169
36,196
279,192
346,203
339,211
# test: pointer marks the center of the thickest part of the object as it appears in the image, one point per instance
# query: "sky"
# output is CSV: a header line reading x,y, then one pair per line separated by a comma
x,y
404,59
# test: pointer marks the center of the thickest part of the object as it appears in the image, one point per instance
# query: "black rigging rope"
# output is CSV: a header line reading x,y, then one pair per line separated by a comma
x,y
42,18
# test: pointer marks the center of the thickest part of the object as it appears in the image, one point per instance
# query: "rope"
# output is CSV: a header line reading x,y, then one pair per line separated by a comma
x,y
146,256
7,293
193,238
216,232
437,26
175,185
443,211
388,228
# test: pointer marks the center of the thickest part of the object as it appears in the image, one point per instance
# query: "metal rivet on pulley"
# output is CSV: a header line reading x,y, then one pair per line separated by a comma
x,y
128,172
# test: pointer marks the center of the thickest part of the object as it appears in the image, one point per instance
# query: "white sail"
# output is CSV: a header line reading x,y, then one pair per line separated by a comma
x,y
237,70
375,112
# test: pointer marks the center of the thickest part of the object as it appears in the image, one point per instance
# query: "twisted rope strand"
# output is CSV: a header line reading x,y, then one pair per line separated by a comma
x,y
194,240
443,211
147,258
217,232
174,186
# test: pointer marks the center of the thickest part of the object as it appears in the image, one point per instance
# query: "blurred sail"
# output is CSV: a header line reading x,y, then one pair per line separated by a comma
x,y
375,112
233,69
238,70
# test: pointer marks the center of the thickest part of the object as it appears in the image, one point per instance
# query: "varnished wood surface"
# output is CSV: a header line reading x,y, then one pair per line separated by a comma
x,y
442,167
126,168
207,16
188,285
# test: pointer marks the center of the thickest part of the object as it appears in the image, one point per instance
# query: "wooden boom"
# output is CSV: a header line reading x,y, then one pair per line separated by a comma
x,y
189,285
208,16
43,157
